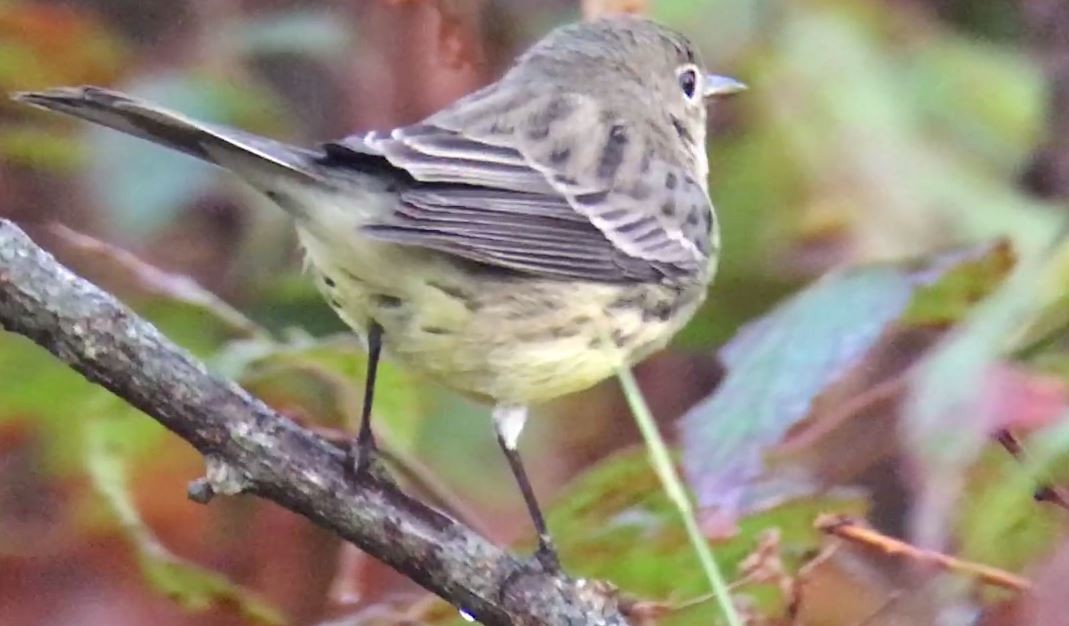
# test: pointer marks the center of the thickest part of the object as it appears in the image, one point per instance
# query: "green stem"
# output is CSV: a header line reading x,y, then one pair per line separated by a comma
x,y
673,486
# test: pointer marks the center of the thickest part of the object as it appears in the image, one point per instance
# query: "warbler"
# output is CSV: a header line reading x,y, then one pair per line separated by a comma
x,y
523,243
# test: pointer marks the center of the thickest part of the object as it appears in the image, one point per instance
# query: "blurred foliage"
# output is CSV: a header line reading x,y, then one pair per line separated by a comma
x,y
876,136
616,525
949,415
192,587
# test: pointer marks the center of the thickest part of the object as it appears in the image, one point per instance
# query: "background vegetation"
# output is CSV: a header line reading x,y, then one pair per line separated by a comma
x,y
915,153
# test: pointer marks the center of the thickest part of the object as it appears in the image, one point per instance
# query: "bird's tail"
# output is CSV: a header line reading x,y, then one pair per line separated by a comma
x,y
248,155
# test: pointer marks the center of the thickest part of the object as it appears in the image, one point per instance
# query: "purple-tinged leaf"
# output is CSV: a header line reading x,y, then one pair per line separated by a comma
x,y
776,367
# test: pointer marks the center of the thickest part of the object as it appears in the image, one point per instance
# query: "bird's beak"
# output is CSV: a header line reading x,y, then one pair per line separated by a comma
x,y
716,86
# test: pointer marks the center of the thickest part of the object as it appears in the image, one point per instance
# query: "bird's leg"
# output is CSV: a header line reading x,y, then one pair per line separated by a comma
x,y
363,455
508,422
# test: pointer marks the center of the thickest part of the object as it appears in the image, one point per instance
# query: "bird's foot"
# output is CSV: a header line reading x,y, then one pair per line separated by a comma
x,y
546,556
544,562
364,463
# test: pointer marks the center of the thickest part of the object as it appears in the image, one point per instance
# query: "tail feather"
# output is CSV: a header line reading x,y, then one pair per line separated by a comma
x,y
249,155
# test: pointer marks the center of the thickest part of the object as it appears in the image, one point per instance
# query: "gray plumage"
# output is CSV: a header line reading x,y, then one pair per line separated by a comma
x,y
552,171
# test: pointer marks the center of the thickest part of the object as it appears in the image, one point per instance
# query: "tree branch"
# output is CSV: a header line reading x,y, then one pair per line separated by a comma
x,y
251,449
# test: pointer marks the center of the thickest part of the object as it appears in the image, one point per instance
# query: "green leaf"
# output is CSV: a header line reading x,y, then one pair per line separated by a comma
x,y
956,282
615,523
999,523
326,378
194,588
46,394
38,147
950,413
37,388
997,131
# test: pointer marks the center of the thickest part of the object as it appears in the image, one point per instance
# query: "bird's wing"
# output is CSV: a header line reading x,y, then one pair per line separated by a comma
x,y
504,190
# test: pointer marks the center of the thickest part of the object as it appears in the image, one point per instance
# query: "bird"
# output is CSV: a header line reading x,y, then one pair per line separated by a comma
x,y
525,242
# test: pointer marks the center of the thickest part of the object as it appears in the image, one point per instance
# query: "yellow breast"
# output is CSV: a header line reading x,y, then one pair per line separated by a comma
x,y
492,335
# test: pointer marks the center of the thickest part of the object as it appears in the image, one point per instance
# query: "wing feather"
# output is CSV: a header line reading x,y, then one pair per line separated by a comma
x,y
485,190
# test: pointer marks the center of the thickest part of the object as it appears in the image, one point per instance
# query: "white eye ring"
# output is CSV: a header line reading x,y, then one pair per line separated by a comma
x,y
689,79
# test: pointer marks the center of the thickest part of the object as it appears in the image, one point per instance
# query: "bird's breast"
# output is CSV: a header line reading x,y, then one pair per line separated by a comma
x,y
497,336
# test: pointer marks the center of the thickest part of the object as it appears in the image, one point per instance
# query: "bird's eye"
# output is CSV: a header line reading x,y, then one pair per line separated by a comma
x,y
688,82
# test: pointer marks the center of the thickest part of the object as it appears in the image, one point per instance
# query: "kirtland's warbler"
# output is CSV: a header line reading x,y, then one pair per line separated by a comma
x,y
523,243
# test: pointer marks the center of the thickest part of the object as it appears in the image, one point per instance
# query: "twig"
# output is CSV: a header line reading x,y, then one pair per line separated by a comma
x,y
805,573
857,532
261,452
677,494
156,281
760,566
